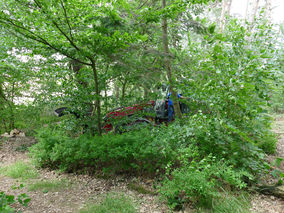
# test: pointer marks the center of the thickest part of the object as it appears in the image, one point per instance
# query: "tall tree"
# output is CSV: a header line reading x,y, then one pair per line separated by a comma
x,y
226,8
247,10
254,10
83,30
167,63
268,9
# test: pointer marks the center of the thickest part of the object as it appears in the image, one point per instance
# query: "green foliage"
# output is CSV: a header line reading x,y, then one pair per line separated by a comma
x,y
231,202
268,143
116,203
199,182
133,151
231,78
53,185
139,188
22,148
7,200
20,170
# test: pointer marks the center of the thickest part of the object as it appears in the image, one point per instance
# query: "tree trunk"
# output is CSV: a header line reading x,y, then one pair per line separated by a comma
x,y
106,99
229,7
167,64
226,8
2,95
116,91
123,90
76,67
268,9
98,100
255,8
247,10
146,92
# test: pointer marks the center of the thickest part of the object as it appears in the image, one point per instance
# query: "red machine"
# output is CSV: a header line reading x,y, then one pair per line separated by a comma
x,y
114,119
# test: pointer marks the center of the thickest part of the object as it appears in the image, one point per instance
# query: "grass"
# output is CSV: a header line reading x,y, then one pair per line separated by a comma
x,y
22,148
139,188
114,203
19,170
52,185
228,202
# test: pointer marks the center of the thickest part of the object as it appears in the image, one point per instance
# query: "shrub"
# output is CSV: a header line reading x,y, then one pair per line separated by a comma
x,y
148,150
133,151
199,182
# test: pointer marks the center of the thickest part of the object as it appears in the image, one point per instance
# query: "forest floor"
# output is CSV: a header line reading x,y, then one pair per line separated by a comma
x,y
270,204
54,192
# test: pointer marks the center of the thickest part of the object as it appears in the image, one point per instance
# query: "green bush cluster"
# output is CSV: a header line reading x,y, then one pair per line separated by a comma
x,y
199,155
147,150
136,151
199,182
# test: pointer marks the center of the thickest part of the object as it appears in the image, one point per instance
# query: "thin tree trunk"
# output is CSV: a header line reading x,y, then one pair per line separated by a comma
x,y
11,106
123,90
222,18
168,64
116,91
226,8
98,100
229,7
268,9
247,10
106,99
255,8
146,92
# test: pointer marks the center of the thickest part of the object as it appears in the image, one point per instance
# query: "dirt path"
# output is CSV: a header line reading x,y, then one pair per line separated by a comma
x,y
81,189
271,204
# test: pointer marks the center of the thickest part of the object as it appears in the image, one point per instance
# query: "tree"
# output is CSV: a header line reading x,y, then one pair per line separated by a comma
x,y
15,78
84,31
226,7
167,63
254,10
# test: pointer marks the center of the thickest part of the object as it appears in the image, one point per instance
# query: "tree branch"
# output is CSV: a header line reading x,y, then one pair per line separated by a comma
x,y
67,20
57,26
39,39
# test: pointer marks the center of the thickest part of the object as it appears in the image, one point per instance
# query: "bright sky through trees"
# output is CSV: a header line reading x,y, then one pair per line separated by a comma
x,y
239,8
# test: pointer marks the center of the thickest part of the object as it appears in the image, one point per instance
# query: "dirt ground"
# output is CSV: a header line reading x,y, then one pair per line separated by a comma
x,y
271,204
84,189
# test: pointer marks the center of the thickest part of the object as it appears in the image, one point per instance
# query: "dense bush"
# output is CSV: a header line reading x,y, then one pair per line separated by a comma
x,y
148,150
132,151
199,182
199,155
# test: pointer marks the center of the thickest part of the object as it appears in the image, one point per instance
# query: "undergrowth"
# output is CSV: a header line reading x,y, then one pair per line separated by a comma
x,y
195,157
52,185
113,202
19,170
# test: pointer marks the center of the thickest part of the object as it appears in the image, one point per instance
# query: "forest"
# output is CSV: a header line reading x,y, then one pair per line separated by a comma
x,y
141,106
